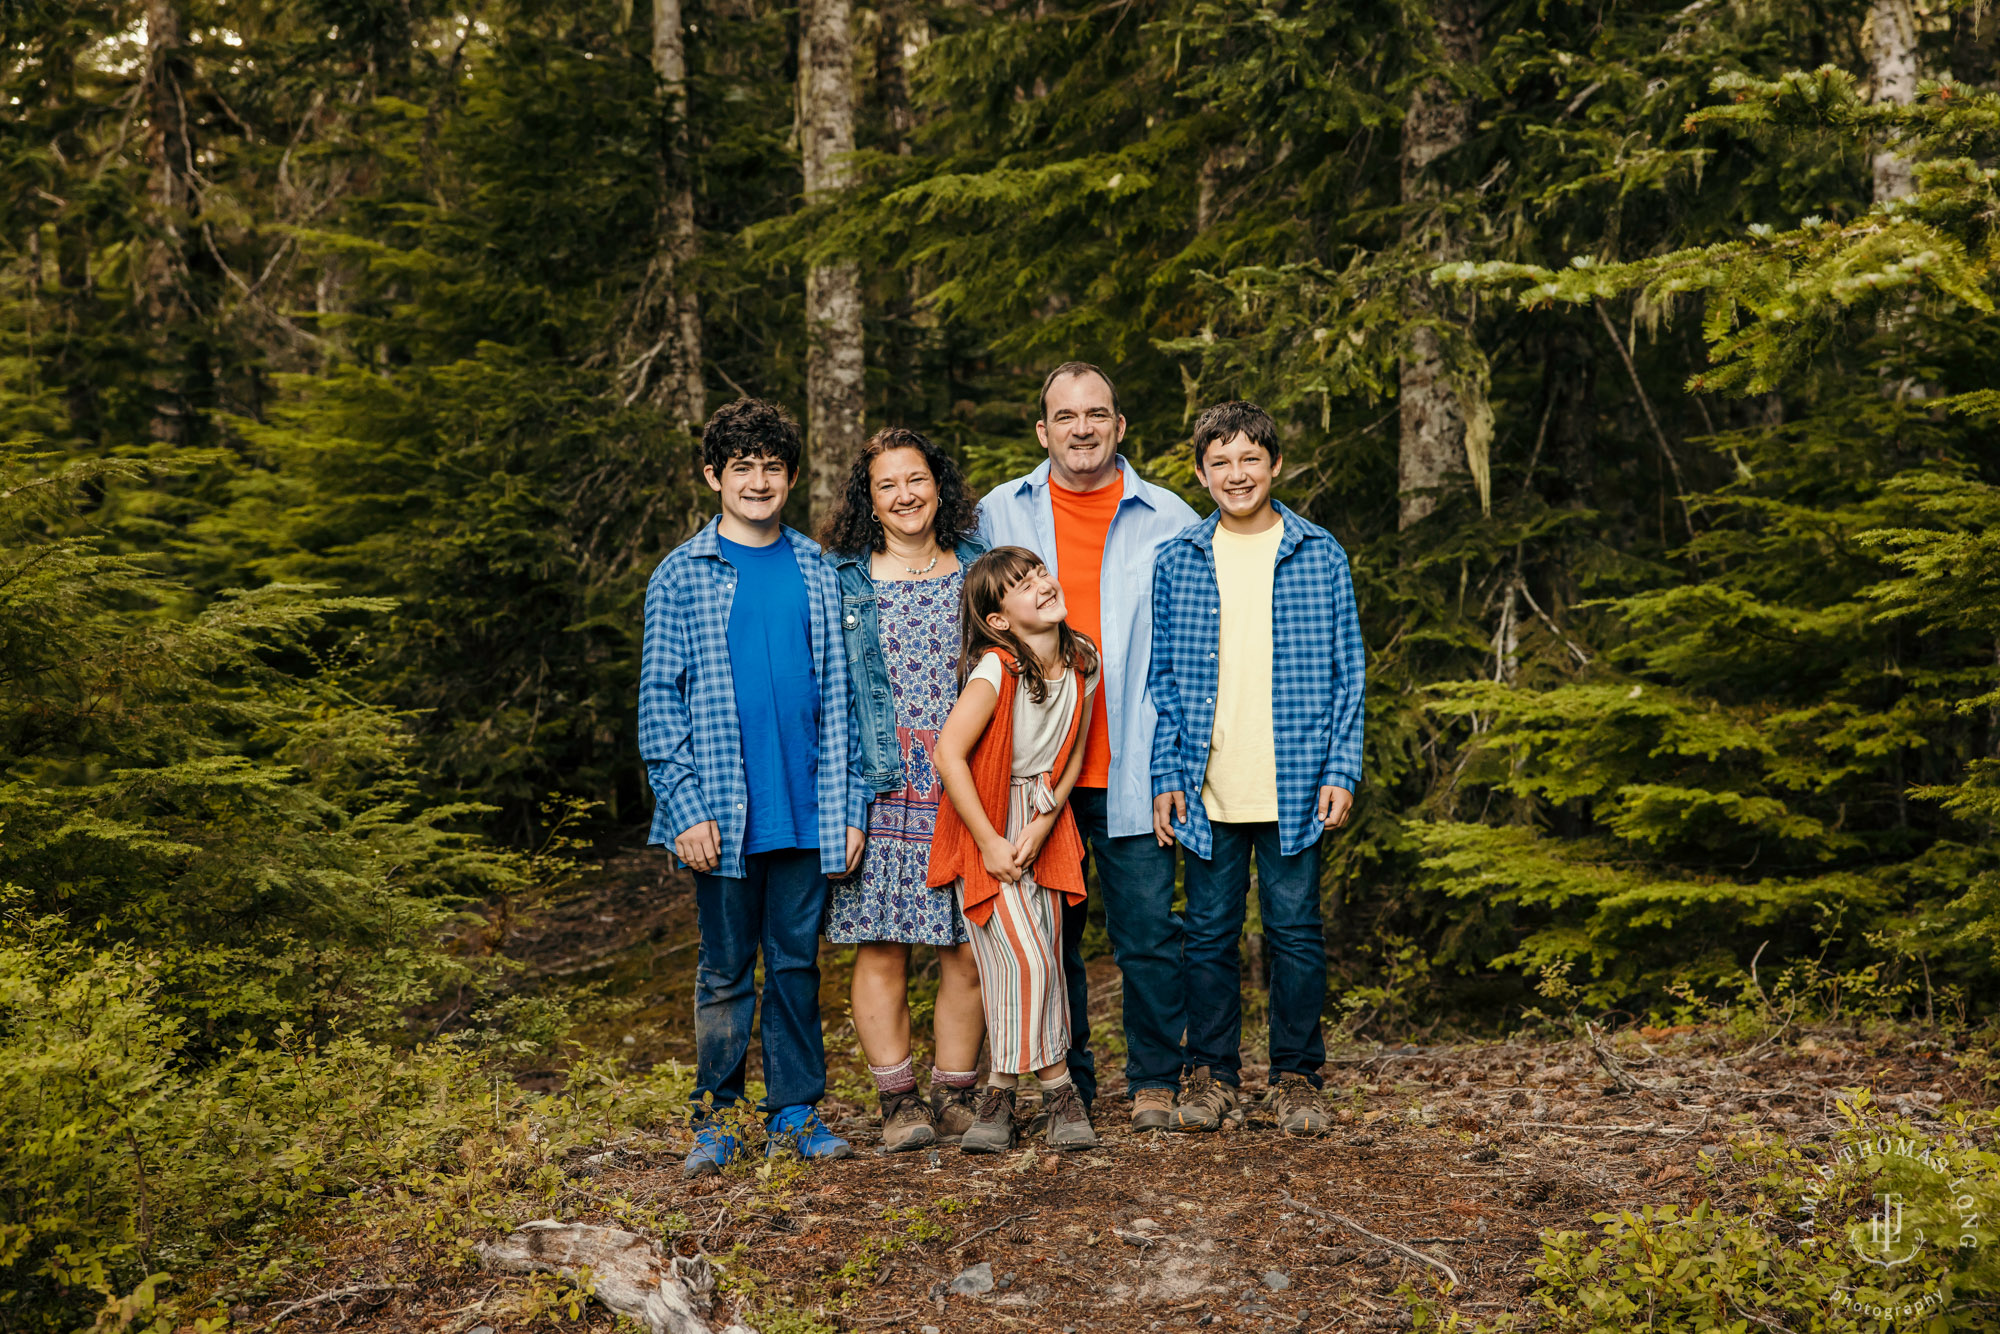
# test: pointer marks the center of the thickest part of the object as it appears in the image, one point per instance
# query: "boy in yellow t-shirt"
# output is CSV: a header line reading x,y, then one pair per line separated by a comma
x,y
1257,673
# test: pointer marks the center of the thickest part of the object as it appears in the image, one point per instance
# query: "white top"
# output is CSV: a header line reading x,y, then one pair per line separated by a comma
x,y
1039,729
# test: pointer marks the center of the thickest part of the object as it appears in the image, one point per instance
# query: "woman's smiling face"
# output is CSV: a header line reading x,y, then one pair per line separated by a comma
x,y
904,493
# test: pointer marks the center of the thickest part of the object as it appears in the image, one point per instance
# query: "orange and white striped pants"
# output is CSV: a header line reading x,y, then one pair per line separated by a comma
x,y
1019,954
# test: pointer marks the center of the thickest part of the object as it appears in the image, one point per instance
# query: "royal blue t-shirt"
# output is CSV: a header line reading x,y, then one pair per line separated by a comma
x,y
777,695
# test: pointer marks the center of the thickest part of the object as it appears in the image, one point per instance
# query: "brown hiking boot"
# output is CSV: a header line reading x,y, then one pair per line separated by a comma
x,y
953,1110
906,1121
992,1129
1206,1104
1069,1121
1152,1109
1298,1106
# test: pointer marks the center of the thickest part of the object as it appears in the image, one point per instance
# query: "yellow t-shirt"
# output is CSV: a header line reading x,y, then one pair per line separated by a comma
x,y
1241,785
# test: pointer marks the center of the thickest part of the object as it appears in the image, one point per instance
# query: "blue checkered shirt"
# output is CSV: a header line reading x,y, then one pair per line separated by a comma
x,y
1317,669
688,730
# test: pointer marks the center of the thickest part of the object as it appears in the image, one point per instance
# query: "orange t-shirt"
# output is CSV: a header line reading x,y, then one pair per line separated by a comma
x,y
1083,522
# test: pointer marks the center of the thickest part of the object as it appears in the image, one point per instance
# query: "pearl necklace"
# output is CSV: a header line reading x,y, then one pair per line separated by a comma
x,y
918,574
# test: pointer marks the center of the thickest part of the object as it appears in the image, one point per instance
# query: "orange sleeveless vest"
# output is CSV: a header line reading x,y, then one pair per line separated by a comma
x,y
955,853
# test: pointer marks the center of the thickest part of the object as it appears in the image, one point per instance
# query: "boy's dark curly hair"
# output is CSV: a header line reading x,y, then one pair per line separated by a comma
x,y
851,529
750,428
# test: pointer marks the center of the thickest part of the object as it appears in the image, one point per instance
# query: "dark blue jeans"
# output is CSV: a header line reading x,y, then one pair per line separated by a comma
x,y
1136,877
1218,892
778,906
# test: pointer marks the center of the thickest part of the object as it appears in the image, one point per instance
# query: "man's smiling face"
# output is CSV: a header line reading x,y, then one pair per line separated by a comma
x,y
1082,430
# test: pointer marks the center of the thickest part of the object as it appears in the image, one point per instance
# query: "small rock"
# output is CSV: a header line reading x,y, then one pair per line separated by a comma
x,y
480,1329
1276,1281
975,1281
1207,1318
927,1329
1145,1224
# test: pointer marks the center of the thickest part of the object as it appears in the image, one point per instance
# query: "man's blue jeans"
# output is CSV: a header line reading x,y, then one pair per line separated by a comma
x,y
1218,892
778,906
1136,877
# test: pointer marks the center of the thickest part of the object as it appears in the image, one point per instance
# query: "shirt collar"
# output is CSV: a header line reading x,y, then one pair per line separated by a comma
x,y
708,542
1134,486
1202,534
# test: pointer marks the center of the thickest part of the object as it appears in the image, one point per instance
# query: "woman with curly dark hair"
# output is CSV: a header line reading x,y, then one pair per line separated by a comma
x,y
900,542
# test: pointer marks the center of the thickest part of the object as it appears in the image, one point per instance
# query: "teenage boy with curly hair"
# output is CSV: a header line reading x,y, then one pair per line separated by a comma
x,y
755,765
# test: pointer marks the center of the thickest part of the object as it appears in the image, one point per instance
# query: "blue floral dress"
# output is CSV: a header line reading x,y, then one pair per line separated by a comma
x,y
888,900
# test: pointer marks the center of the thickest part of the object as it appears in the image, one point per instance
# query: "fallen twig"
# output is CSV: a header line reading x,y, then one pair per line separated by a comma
x,y
1391,1243
1010,1218
1650,1128
337,1295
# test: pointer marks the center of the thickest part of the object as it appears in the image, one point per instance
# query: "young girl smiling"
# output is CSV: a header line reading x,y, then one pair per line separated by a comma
x,y
1009,754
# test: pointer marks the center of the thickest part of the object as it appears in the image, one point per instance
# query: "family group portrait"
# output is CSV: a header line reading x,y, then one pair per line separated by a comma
x,y
990,666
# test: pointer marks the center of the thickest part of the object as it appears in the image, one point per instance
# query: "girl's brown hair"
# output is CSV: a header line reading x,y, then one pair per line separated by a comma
x,y
986,583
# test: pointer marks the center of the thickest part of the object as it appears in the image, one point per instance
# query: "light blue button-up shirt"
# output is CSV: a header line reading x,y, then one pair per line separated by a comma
x,y
1020,513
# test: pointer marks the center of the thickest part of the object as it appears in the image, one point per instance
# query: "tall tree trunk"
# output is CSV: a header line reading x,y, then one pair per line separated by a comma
x,y
1441,414
162,282
662,351
892,80
833,291
1892,66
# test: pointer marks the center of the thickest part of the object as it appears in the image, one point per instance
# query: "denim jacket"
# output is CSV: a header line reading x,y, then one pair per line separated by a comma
x,y
867,668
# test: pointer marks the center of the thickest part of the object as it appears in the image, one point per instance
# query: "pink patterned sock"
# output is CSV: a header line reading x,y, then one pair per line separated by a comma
x,y
898,1078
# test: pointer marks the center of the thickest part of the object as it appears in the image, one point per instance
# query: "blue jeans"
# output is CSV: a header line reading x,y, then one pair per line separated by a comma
x,y
1218,891
1136,877
777,906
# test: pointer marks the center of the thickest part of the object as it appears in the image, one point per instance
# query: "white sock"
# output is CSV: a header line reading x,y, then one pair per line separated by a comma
x,y
1000,1081
1051,1085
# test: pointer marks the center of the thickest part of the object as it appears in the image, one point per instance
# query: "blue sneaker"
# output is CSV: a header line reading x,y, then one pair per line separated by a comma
x,y
799,1130
716,1145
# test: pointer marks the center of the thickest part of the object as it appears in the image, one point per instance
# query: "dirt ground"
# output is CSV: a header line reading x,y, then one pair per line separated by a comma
x,y
1455,1158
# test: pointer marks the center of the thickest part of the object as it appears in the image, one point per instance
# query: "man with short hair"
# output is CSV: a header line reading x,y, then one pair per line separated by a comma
x,y
1097,524
1257,671
754,759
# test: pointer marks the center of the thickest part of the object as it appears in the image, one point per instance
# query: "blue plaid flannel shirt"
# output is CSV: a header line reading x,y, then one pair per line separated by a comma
x,y
689,735
1317,675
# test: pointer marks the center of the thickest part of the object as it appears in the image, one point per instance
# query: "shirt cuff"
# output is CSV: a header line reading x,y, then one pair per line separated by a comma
x,y
1336,778
1164,783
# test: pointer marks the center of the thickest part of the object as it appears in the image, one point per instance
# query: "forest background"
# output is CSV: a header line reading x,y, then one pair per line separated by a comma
x,y
352,355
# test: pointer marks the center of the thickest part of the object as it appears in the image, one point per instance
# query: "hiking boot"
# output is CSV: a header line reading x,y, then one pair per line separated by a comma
x,y
953,1110
1298,1106
799,1130
1152,1109
715,1147
1206,1104
992,1129
906,1121
1069,1122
